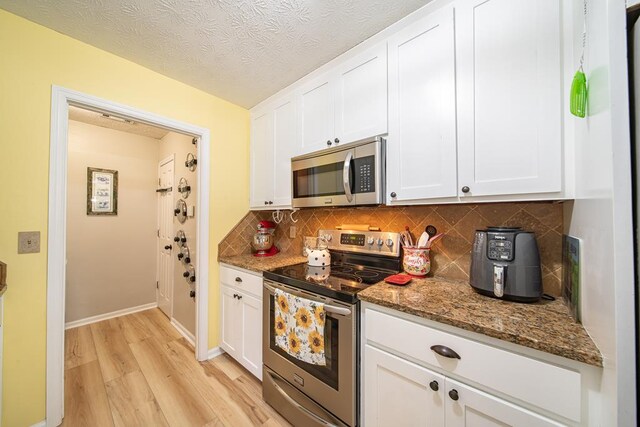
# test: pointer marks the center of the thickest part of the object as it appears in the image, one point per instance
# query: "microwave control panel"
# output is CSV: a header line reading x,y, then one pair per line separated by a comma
x,y
365,174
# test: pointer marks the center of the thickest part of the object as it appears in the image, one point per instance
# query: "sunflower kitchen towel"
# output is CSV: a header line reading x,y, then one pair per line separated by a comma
x,y
299,327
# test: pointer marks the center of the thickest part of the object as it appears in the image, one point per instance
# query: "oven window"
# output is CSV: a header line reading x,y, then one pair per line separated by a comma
x,y
318,181
328,374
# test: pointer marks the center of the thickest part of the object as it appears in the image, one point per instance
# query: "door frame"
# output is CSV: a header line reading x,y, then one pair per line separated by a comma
x,y
61,99
170,158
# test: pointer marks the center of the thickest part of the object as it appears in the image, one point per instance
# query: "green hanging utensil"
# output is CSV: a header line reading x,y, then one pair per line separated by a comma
x,y
578,96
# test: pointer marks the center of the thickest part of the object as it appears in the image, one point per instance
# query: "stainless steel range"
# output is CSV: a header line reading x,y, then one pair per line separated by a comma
x,y
313,395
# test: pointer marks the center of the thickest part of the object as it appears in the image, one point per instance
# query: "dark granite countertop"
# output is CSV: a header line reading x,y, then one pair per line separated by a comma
x,y
260,264
546,326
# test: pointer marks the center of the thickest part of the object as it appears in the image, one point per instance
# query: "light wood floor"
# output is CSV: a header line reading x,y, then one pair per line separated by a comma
x,y
137,370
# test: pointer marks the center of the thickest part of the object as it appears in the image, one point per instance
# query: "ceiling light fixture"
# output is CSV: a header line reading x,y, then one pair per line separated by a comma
x,y
118,119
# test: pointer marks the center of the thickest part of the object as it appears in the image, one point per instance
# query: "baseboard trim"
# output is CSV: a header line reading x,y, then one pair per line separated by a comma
x,y
214,352
105,316
42,423
184,332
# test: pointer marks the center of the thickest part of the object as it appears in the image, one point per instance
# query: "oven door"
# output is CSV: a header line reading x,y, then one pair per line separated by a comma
x,y
333,386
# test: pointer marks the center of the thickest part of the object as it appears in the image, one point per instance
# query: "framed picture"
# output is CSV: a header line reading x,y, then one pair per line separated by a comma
x,y
102,191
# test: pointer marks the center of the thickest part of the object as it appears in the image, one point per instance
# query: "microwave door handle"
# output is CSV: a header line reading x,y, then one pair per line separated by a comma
x,y
346,174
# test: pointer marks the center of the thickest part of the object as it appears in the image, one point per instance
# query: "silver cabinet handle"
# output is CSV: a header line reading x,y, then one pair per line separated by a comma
x,y
346,172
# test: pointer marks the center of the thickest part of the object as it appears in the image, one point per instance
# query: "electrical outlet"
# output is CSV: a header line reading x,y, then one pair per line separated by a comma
x,y
292,231
28,242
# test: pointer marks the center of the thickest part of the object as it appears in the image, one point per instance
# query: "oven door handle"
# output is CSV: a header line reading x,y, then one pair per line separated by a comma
x,y
346,173
327,307
296,404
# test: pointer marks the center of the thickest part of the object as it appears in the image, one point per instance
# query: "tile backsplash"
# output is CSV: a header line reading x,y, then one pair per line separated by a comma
x,y
450,257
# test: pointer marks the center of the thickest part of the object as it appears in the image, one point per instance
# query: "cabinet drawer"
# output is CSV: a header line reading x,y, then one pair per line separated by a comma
x,y
541,384
248,282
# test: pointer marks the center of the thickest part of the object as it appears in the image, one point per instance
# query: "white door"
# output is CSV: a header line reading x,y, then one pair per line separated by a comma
x,y
316,114
251,334
165,236
509,96
361,96
399,393
261,159
468,407
284,147
231,318
421,149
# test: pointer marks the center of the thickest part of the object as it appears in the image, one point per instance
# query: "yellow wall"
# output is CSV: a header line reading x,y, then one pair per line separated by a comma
x,y
32,58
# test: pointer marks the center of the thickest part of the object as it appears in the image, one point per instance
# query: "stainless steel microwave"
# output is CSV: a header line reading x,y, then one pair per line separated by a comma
x,y
349,175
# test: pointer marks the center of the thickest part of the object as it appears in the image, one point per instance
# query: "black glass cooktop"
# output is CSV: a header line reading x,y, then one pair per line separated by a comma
x,y
340,281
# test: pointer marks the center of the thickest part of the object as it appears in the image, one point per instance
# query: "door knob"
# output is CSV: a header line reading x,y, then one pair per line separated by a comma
x,y
453,394
168,247
270,202
336,140
393,194
465,189
434,385
329,142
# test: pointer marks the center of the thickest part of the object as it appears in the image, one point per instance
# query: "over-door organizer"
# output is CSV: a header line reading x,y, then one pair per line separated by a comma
x,y
468,118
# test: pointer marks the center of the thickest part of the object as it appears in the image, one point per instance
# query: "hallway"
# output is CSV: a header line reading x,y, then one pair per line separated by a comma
x,y
138,370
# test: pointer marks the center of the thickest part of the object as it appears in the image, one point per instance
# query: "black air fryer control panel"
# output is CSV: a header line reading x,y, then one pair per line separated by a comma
x,y
500,246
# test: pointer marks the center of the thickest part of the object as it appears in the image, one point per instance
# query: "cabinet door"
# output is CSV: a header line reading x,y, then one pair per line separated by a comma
x,y
398,393
474,408
316,114
231,329
261,159
251,347
421,148
509,96
284,147
361,96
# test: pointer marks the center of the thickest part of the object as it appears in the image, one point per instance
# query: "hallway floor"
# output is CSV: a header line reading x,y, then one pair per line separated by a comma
x,y
138,370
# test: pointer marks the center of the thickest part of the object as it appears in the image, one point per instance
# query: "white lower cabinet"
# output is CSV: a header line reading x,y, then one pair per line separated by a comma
x,y
241,317
413,374
401,393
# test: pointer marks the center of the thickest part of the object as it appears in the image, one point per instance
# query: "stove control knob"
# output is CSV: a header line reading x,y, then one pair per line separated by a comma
x,y
390,242
370,240
380,242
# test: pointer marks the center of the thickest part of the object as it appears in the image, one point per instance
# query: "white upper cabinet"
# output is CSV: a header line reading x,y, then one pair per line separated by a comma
x,y
421,148
316,120
345,104
509,96
361,96
273,143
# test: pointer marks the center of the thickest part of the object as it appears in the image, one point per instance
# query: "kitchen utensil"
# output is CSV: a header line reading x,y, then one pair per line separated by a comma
x,y
505,263
398,279
264,239
416,261
578,95
434,239
423,242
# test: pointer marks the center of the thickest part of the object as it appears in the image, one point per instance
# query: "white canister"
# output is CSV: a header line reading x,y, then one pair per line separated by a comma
x,y
318,257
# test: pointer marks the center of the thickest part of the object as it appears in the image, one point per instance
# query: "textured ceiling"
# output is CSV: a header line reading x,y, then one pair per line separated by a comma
x,y
240,50
98,119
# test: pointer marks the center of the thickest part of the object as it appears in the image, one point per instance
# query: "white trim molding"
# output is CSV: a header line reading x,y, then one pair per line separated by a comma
x,y
183,331
111,315
215,352
61,98
42,423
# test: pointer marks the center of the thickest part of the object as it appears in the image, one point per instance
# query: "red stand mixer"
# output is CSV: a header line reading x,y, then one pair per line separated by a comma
x,y
263,242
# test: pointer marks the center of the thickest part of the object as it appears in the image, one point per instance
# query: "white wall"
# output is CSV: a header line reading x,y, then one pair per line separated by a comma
x,y
184,307
111,260
601,214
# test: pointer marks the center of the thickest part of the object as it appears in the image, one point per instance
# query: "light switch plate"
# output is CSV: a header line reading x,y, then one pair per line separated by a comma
x,y
293,231
28,242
